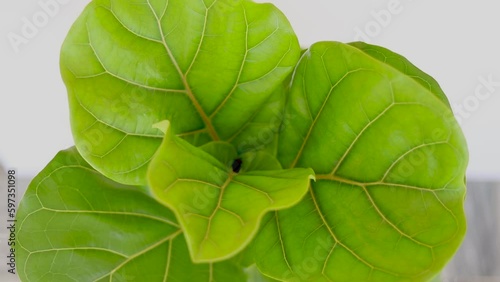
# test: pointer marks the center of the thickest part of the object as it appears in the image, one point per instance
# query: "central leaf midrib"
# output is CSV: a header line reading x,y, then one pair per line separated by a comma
x,y
189,92
212,215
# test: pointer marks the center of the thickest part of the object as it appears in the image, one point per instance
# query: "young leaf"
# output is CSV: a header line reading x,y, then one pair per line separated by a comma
x,y
76,225
209,66
220,210
390,167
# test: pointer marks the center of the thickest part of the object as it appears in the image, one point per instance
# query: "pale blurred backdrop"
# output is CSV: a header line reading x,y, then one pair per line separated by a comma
x,y
457,42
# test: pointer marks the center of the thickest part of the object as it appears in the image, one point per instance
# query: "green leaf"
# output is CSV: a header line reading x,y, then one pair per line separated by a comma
x,y
76,225
208,66
218,209
403,65
390,167
254,275
261,132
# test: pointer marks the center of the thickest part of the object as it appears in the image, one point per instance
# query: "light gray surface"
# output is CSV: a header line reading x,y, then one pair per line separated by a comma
x,y
478,260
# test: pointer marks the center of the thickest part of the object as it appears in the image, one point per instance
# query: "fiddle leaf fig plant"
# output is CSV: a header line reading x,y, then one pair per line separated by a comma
x,y
207,148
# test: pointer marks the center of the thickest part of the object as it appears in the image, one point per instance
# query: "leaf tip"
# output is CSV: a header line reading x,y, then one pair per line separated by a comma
x,y
162,126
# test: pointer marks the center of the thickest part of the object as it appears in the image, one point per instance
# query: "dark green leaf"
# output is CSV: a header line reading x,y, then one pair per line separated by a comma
x,y
76,225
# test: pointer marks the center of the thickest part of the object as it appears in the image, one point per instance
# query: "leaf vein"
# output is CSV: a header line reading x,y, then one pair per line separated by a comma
x,y
281,241
337,241
189,92
379,212
242,66
309,132
120,77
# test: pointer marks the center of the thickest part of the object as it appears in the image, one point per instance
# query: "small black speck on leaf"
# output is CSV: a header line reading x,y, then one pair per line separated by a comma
x,y
237,165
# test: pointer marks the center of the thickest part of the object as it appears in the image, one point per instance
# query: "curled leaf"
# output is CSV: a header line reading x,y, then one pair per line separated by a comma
x,y
220,210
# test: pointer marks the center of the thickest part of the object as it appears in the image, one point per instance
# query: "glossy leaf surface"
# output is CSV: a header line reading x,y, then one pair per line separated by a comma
x,y
76,225
208,66
220,210
390,167
402,64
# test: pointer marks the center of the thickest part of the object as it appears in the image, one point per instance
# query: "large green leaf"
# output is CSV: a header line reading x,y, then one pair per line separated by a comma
x,y
388,201
76,225
218,207
208,66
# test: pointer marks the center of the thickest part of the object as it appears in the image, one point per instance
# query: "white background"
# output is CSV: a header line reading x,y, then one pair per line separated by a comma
x,y
455,41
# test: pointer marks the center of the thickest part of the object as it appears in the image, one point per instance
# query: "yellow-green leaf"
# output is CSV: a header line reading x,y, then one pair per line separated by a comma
x,y
220,210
